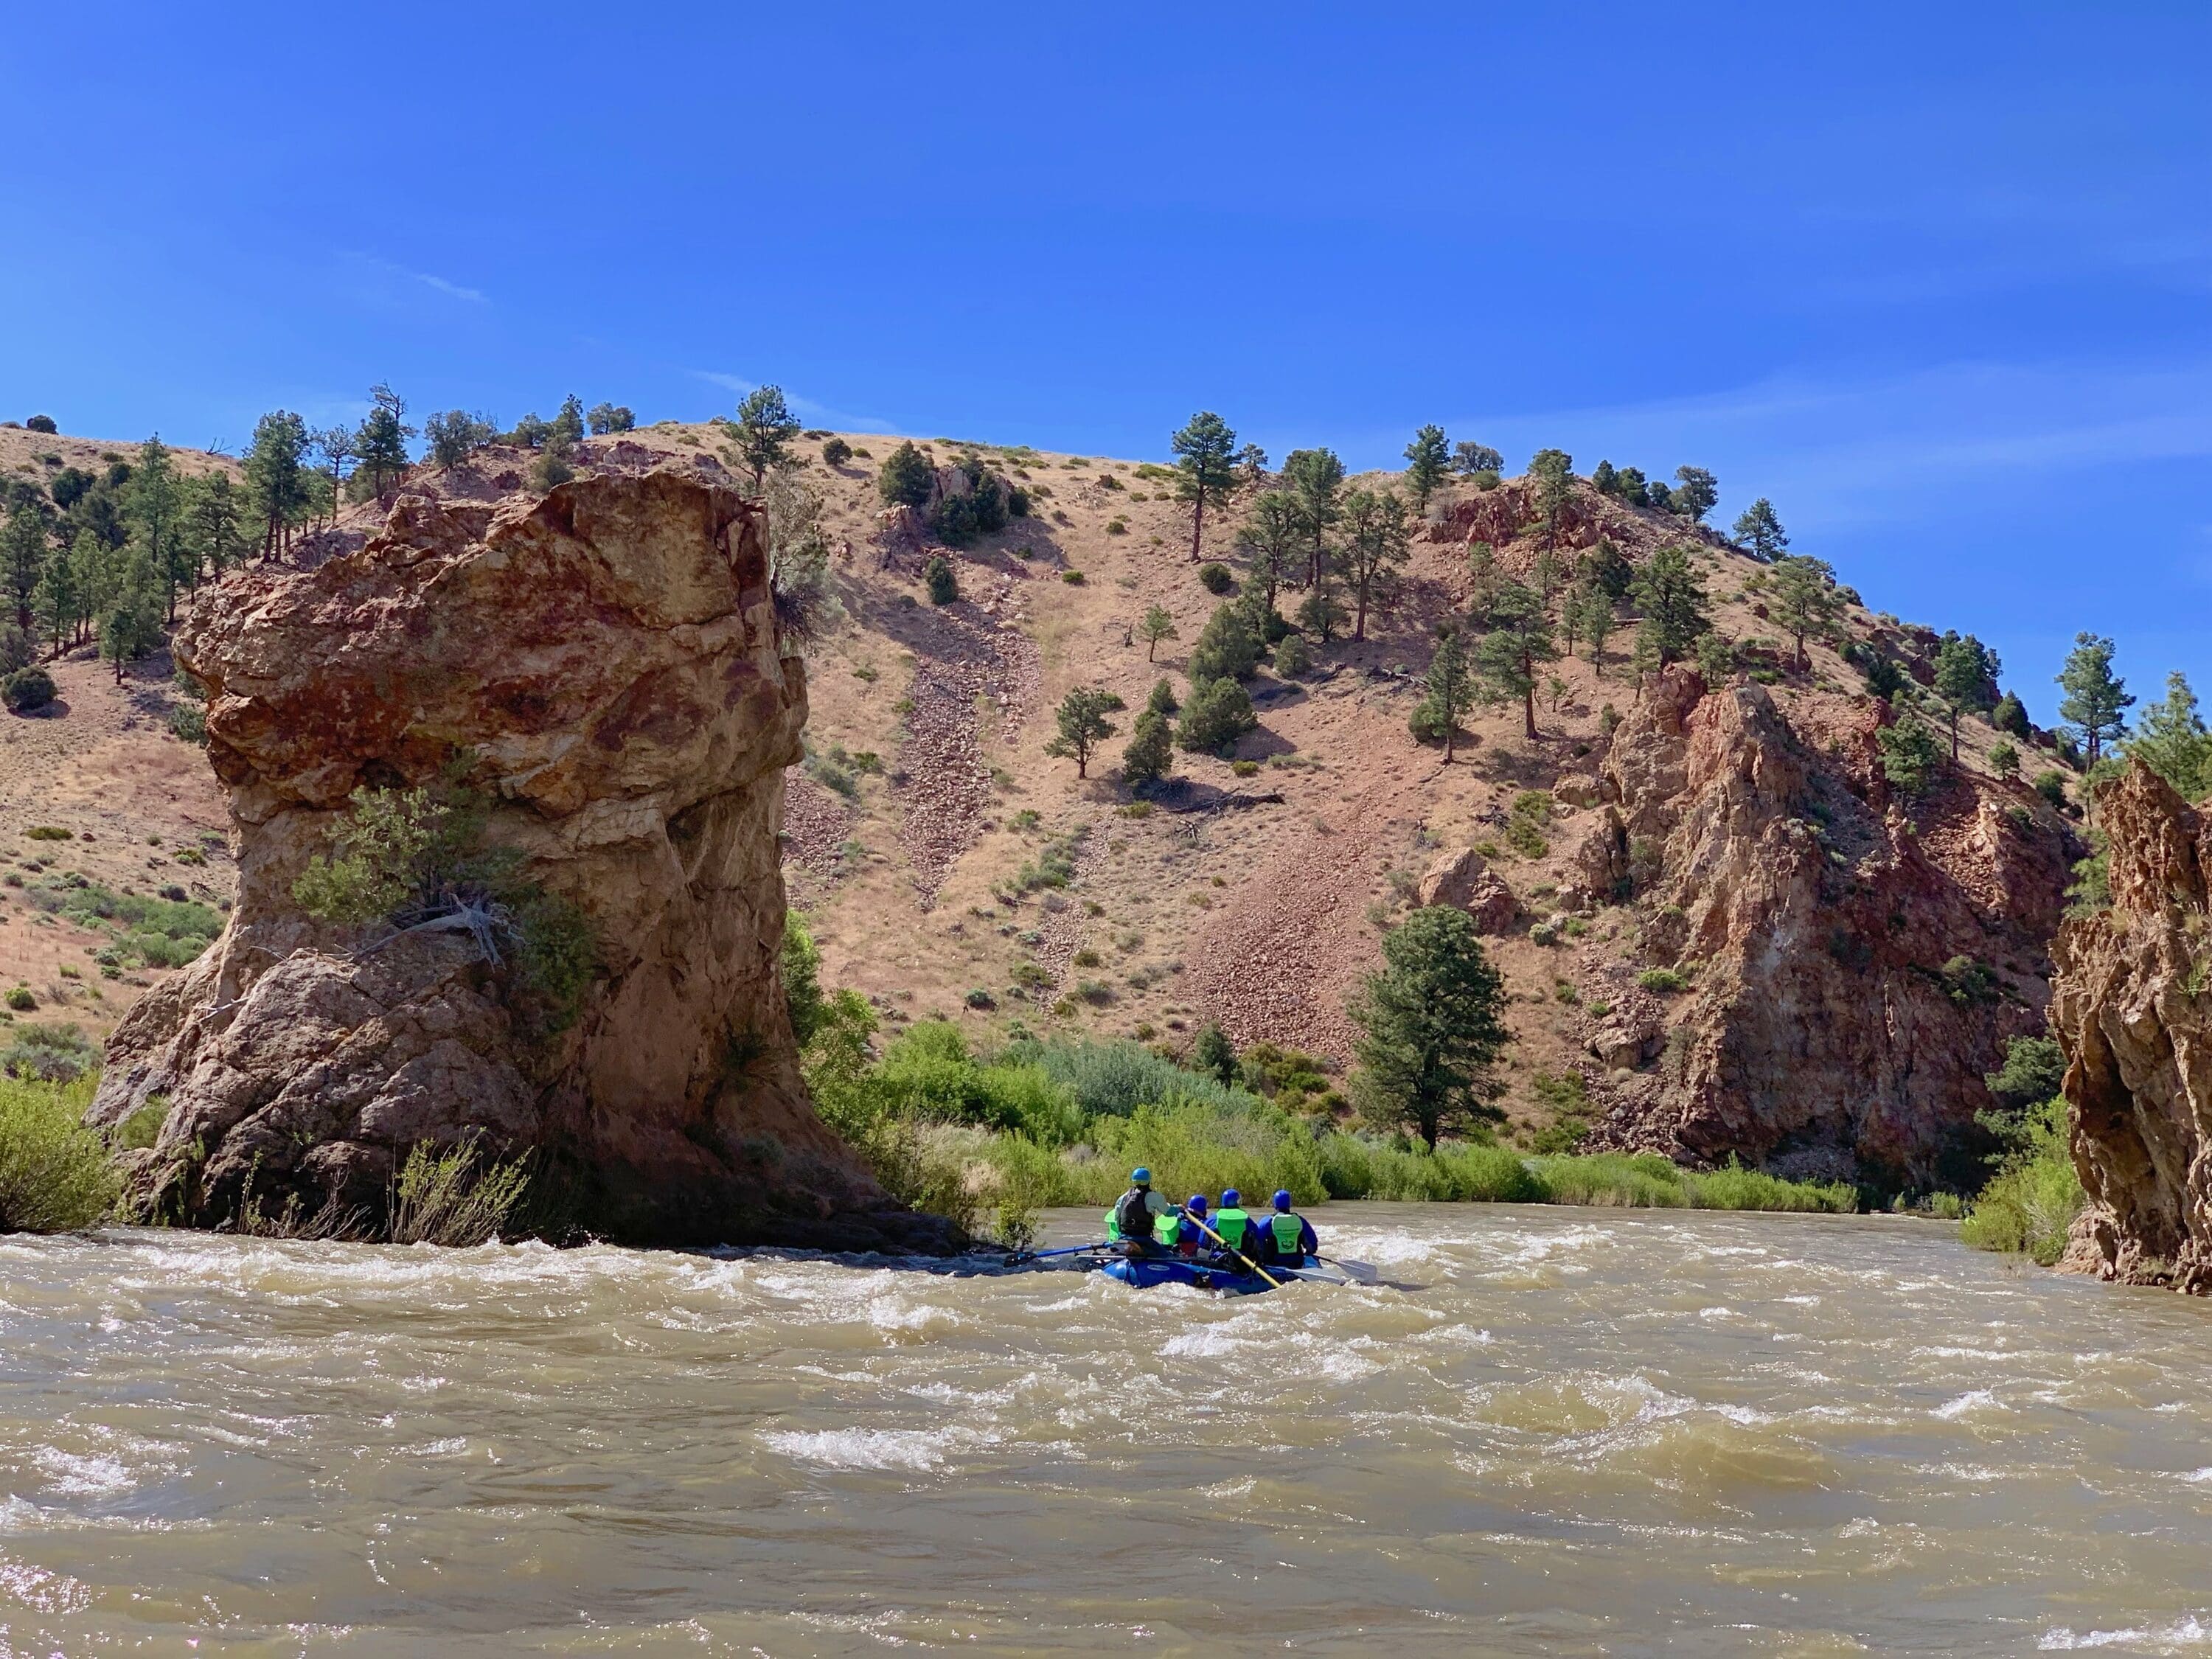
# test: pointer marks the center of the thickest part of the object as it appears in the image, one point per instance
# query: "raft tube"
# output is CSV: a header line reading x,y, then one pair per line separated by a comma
x,y
1148,1271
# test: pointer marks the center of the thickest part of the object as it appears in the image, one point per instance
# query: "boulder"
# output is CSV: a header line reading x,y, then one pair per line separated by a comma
x,y
598,671
1464,880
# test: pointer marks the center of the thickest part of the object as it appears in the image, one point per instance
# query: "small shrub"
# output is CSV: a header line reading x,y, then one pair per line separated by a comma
x,y
1072,578
49,832
1662,981
1244,769
20,998
454,1198
27,689
1214,577
2051,786
1117,526
1293,657
54,1172
978,997
938,577
51,1054
836,452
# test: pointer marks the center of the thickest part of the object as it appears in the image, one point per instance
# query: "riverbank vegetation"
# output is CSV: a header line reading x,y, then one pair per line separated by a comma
x,y
2035,1193
54,1172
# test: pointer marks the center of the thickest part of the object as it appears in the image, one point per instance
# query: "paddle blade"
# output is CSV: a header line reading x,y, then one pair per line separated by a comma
x,y
1357,1271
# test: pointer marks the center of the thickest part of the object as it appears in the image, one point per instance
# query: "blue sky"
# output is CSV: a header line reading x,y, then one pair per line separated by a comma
x,y
1934,278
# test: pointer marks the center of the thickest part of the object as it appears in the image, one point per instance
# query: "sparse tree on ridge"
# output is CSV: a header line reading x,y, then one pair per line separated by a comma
x,y
1965,677
1520,638
1315,477
1470,459
1759,532
2096,701
2170,739
1670,598
764,429
1430,462
1270,536
1081,718
1252,466
337,446
1432,1025
605,418
1553,471
1154,626
456,434
1910,754
568,424
1696,492
382,441
1205,464
1376,545
1805,598
905,477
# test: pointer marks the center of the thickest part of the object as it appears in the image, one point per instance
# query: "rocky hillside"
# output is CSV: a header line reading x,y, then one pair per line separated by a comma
x,y
578,706
1725,933
2133,1011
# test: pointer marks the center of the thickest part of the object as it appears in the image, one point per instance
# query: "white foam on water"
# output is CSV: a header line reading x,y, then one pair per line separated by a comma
x,y
2197,1477
2189,1632
1974,1401
921,1450
74,1476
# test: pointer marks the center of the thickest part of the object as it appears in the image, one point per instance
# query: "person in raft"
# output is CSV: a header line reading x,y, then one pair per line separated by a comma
x,y
1185,1232
1133,1222
1285,1239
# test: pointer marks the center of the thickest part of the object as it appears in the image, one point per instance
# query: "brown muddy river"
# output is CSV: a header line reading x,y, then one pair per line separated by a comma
x,y
1585,1431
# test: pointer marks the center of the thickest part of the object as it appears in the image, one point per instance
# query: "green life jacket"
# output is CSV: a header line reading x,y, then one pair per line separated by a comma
x,y
1286,1228
1167,1230
1114,1224
1231,1225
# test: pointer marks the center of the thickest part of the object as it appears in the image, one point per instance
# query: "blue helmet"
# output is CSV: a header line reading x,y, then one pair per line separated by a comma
x,y
1141,1176
1197,1205
1282,1200
1229,1197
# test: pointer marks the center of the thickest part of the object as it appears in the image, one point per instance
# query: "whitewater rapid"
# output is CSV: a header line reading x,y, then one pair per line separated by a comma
x,y
1551,1430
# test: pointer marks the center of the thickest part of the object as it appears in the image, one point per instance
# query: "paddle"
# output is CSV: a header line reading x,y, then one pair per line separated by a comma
x,y
1274,1283
1358,1272
1070,1250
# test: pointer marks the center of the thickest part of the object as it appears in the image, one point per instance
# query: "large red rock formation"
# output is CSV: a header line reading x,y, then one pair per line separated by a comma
x,y
1852,967
2133,1009
601,663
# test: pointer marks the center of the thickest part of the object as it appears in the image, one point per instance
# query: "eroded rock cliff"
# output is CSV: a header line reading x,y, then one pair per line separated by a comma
x,y
1850,963
2133,1009
600,667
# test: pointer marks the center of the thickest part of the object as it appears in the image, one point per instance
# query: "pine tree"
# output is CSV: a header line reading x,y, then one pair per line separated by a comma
x,y
1553,471
765,427
1450,691
1592,611
1670,598
1377,544
568,424
2170,739
1150,754
131,623
1227,647
337,446
1081,718
610,418
155,504
212,535
1696,492
1432,1026
23,553
1431,464
1471,459
60,602
1909,754
906,477
2096,701
1805,598
1217,714
1154,626
1519,639
1965,671
1269,538
1759,532
381,443
1315,477
273,477
1205,466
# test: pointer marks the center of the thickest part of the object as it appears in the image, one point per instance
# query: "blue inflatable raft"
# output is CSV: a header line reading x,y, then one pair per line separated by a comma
x,y
1148,1271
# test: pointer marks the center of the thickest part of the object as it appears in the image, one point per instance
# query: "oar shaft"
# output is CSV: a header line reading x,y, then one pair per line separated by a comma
x,y
1273,1281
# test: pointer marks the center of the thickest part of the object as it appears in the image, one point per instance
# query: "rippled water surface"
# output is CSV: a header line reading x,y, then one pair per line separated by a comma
x,y
1557,1432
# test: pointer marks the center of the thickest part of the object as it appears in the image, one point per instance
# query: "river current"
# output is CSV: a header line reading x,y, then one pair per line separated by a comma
x,y
1554,1431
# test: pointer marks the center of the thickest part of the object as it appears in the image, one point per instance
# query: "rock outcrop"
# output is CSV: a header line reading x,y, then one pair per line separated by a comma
x,y
2132,1007
1464,880
599,668
1849,969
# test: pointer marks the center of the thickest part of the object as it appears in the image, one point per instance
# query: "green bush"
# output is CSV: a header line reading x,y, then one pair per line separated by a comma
x,y
1216,715
27,689
1662,981
1213,576
836,452
1293,657
2029,1205
937,575
50,1054
54,1173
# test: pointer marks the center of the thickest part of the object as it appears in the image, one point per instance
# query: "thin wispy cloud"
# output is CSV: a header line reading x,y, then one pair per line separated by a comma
x,y
821,414
386,280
